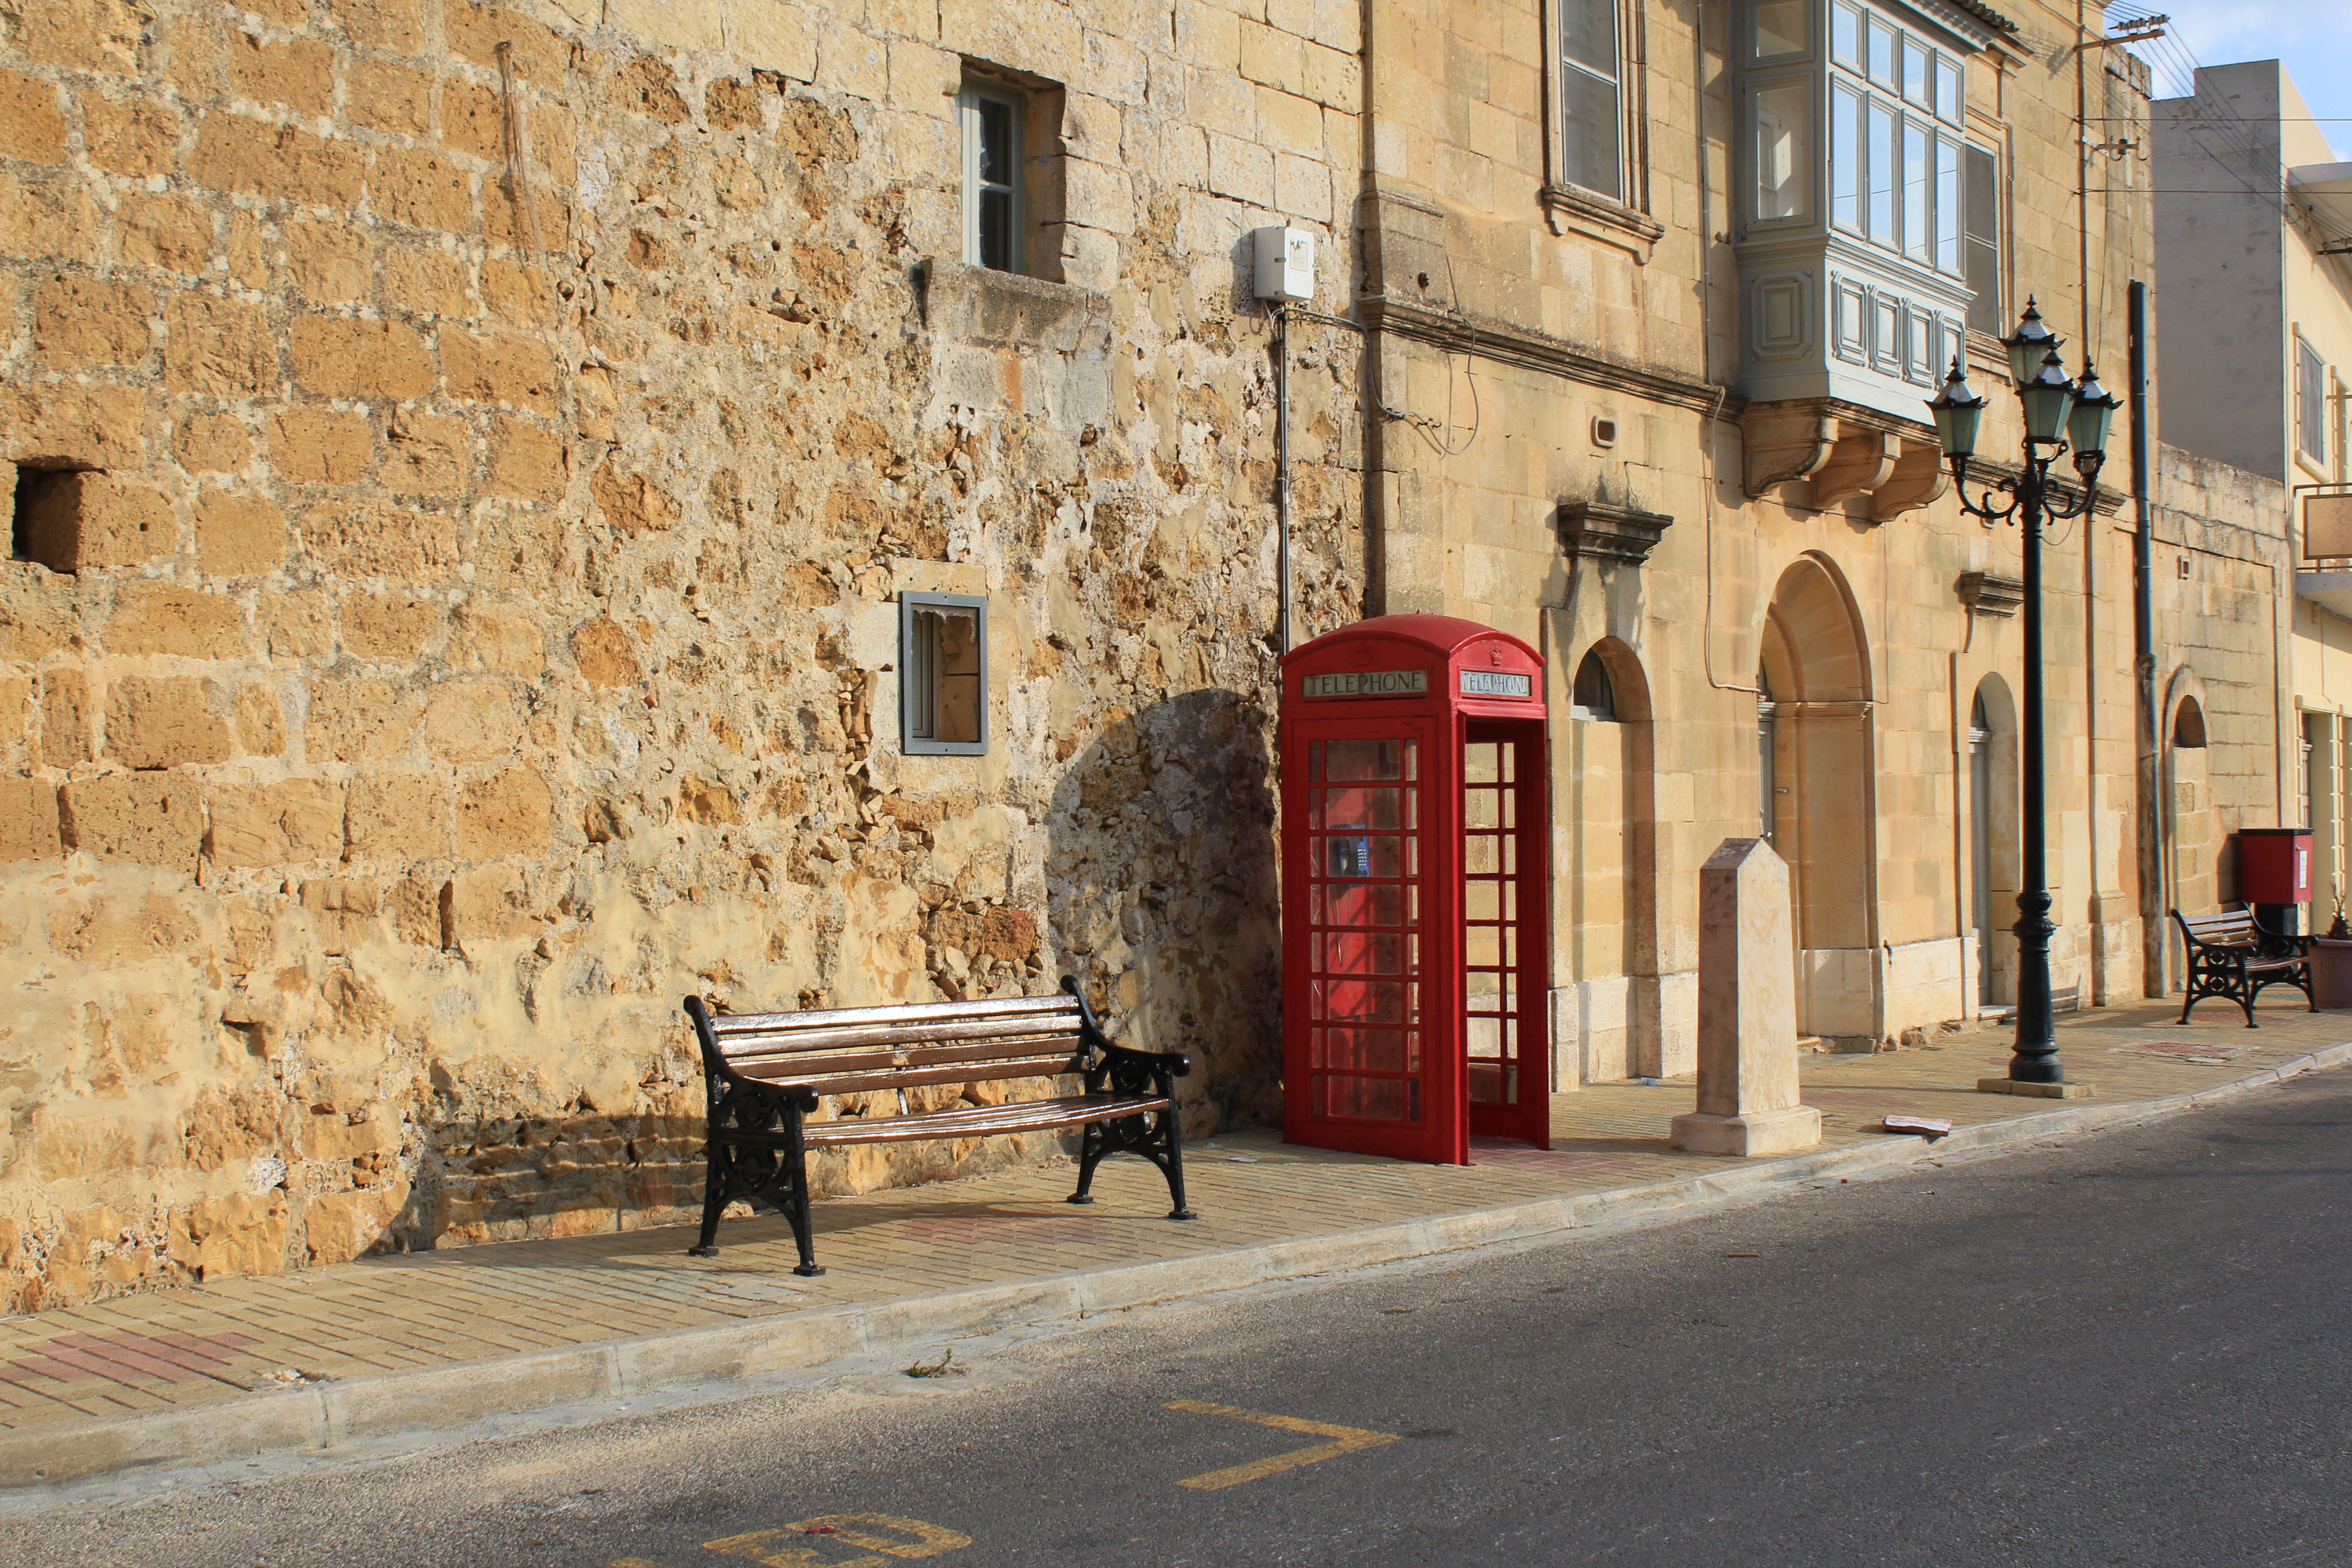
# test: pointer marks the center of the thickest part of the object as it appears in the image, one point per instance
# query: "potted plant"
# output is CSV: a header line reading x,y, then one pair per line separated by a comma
x,y
2331,959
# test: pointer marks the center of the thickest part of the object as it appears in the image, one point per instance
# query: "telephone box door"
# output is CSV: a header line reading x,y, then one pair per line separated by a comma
x,y
1377,1078
1504,895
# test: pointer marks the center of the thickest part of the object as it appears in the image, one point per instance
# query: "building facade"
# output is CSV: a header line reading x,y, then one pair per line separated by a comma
x,y
522,512
2254,250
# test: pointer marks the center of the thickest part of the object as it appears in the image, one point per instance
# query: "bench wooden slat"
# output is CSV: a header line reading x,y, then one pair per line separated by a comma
x,y
725,1024
780,1043
980,1120
913,1078
797,1069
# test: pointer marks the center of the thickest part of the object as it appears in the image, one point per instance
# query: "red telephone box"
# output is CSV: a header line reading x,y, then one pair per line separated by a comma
x,y
1415,888
2275,865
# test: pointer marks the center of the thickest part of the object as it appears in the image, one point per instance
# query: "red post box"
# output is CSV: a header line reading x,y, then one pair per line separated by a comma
x,y
1415,890
2275,865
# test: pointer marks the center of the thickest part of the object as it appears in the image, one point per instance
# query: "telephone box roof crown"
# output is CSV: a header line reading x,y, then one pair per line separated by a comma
x,y
1439,634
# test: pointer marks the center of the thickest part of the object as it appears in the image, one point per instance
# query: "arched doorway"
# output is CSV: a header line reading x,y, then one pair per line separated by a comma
x,y
1822,795
2193,844
1606,932
1991,794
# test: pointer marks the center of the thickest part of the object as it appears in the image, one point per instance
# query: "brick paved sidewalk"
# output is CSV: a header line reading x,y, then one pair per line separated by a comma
x,y
384,1325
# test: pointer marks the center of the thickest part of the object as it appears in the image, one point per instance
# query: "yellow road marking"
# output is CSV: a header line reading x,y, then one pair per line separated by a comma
x,y
1343,1440
875,1532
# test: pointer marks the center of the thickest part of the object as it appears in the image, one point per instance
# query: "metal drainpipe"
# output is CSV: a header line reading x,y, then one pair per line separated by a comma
x,y
2156,950
1282,473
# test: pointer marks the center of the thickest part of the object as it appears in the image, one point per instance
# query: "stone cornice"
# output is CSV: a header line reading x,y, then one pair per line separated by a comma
x,y
1533,350
1990,593
1597,531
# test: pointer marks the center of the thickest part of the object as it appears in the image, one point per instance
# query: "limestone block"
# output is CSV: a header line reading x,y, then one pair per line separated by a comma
x,y
86,320
165,231
75,521
152,819
344,910
396,26
54,220
381,542
772,35
426,455
509,812
504,638
390,626
423,190
31,128
28,820
236,154
67,713
260,721
340,1227
219,347
1748,1102
499,368
488,905
632,502
425,282
163,721
244,1233
337,356
525,462
299,820
296,625
358,721
385,97
472,722
319,447
297,72
163,617
238,535
398,816
211,444
605,654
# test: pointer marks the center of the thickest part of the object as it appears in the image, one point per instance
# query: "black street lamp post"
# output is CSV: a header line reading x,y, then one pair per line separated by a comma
x,y
2060,414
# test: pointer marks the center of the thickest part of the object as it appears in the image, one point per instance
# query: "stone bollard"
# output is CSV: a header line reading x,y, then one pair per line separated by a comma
x,y
1747,1011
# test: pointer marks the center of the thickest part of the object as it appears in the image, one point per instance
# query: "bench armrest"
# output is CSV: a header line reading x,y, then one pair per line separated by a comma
x,y
1176,1063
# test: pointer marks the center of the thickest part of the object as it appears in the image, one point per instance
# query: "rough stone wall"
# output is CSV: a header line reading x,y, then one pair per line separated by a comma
x,y
468,458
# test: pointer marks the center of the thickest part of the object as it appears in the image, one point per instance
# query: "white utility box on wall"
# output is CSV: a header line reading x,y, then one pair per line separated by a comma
x,y
1285,263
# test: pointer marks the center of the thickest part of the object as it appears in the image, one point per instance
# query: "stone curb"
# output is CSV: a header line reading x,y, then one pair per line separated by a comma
x,y
329,1415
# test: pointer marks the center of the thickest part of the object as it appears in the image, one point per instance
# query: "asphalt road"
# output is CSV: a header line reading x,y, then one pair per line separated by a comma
x,y
2128,1349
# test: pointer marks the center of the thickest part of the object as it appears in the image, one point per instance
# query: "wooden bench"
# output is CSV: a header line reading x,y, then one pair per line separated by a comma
x,y
2231,956
767,1073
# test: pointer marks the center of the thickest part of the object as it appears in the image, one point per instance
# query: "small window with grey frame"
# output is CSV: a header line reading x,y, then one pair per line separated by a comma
x,y
943,674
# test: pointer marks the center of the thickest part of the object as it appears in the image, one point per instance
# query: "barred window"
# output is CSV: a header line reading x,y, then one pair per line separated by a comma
x,y
2310,401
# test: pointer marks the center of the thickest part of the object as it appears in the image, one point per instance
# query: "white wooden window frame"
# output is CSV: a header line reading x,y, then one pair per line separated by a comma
x,y
975,92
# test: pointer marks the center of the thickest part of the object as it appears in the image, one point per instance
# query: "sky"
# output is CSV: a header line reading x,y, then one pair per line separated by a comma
x,y
2312,36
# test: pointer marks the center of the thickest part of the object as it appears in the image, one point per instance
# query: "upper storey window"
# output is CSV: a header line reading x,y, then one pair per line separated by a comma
x,y
1896,153
1591,108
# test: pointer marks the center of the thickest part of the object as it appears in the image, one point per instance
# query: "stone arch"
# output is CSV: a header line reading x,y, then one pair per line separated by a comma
x,y
2192,843
1990,791
1815,660
1607,919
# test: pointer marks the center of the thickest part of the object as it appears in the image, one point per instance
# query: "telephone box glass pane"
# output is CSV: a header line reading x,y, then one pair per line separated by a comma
x,y
1364,999
1490,955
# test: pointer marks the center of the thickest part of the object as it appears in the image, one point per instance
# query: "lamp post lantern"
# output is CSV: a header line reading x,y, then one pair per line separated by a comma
x,y
2060,414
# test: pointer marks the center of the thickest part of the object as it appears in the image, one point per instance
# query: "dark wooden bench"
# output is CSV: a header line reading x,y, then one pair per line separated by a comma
x,y
767,1073
2231,956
